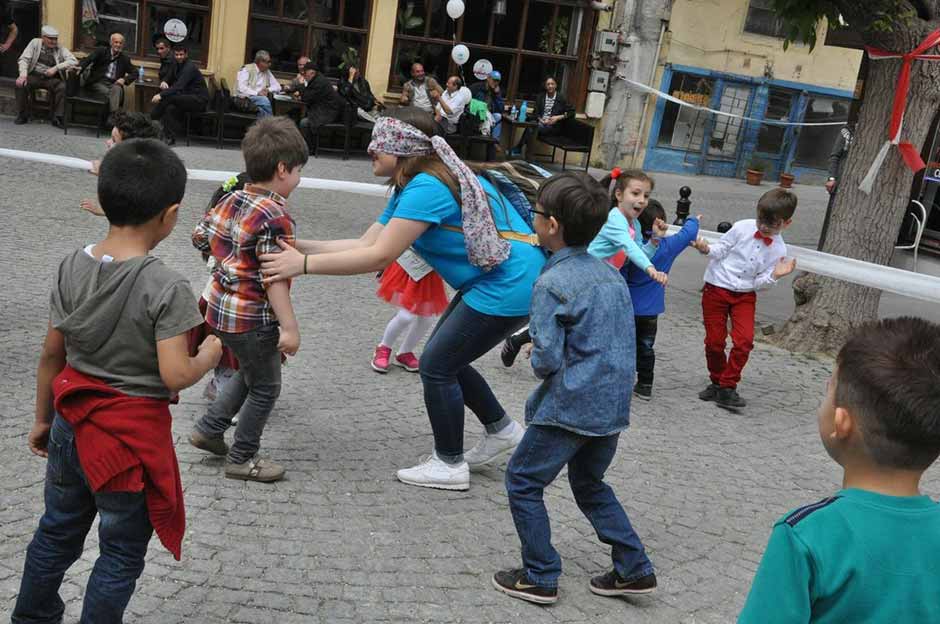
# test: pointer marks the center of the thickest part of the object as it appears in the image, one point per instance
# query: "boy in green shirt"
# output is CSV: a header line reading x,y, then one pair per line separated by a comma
x,y
869,552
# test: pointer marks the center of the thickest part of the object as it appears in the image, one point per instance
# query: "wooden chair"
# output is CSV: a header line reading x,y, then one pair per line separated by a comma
x,y
211,118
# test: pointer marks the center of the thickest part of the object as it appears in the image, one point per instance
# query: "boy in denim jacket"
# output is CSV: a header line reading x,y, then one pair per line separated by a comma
x,y
581,322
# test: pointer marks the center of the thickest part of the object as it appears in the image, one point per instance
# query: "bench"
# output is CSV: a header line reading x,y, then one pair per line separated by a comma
x,y
576,136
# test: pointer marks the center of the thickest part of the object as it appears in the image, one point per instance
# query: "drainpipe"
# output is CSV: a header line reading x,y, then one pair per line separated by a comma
x,y
649,96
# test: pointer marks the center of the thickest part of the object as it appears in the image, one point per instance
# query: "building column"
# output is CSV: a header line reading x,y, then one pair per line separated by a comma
x,y
381,45
227,39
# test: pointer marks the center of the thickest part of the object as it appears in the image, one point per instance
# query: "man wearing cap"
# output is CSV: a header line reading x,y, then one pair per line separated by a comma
x,y
43,65
324,104
110,71
422,91
488,91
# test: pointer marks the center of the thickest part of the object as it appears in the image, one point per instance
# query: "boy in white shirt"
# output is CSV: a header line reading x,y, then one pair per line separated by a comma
x,y
749,257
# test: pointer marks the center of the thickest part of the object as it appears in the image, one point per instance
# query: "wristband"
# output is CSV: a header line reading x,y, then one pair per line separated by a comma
x,y
305,263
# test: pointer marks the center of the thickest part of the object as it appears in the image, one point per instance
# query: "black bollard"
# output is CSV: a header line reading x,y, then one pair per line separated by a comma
x,y
683,205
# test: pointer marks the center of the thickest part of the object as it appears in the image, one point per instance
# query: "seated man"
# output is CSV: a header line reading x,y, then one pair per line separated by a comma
x,y
110,71
488,91
452,104
167,62
324,104
43,65
422,91
187,93
297,85
256,83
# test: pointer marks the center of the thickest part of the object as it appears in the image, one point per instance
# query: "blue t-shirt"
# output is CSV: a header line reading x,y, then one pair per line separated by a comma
x,y
503,291
648,295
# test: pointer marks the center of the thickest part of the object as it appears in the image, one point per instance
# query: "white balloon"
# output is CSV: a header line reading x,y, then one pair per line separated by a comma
x,y
482,69
455,8
460,54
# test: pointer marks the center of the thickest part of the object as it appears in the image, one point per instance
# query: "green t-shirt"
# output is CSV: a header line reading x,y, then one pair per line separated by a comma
x,y
855,557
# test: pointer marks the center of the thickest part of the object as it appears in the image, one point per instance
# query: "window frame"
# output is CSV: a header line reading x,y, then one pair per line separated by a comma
x,y
575,91
779,31
143,27
309,25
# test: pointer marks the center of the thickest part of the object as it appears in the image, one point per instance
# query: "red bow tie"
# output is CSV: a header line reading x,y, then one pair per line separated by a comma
x,y
768,240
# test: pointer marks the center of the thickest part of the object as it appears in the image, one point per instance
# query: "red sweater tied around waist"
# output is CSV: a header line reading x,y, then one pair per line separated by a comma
x,y
125,444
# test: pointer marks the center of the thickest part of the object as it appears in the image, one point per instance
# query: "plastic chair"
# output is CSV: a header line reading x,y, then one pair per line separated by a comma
x,y
921,223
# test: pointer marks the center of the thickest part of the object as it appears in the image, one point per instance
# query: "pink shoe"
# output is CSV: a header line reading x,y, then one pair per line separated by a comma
x,y
408,361
380,359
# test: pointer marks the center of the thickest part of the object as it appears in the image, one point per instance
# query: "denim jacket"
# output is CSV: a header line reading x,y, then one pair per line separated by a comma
x,y
584,346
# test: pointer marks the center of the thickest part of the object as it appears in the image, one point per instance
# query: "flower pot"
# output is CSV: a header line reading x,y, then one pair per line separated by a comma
x,y
754,177
786,180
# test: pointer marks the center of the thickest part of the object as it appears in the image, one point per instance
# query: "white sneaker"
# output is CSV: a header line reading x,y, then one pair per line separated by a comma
x,y
434,473
493,446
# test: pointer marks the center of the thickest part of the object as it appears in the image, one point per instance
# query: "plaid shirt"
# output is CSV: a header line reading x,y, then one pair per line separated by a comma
x,y
243,225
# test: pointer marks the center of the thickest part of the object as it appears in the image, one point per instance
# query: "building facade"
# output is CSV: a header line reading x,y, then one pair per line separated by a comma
x,y
728,55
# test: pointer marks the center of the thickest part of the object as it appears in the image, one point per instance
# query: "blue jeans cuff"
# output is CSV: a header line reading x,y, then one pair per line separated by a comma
x,y
546,581
646,570
451,460
499,425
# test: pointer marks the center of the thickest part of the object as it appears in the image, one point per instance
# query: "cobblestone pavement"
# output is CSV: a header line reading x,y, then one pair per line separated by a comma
x,y
340,540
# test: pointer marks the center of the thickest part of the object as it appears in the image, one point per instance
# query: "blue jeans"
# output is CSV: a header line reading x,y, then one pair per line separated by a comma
x,y
263,103
124,531
538,459
251,392
462,335
497,130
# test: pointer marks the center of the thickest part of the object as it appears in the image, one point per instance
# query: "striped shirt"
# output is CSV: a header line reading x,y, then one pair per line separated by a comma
x,y
243,225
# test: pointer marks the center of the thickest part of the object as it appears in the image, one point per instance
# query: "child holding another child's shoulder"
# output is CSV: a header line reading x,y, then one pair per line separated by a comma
x,y
868,553
582,332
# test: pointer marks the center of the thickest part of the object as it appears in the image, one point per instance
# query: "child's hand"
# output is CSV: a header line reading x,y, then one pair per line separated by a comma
x,y
38,439
658,276
95,167
92,206
660,228
289,341
212,346
701,245
784,267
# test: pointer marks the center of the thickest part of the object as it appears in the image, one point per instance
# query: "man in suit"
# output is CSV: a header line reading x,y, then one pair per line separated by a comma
x,y
111,70
186,94
324,104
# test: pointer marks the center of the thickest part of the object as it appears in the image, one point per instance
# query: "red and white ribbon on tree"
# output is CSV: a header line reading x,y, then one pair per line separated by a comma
x,y
909,153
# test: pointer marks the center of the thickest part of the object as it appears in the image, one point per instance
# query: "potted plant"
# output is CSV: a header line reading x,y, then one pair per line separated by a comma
x,y
755,171
786,179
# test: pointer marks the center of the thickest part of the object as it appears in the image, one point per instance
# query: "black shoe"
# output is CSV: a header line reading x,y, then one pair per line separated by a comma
x,y
57,122
643,391
21,119
509,352
170,141
729,399
710,393
516,583
611,584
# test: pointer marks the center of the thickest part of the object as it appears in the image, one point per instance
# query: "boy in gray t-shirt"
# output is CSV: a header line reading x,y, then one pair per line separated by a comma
x,y
115,353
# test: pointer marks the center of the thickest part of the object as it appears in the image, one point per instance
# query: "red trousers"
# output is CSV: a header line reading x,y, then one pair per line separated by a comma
x,y
718,304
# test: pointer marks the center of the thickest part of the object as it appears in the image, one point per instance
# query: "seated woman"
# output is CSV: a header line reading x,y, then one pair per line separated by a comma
x,y
469,233
357,92
551,109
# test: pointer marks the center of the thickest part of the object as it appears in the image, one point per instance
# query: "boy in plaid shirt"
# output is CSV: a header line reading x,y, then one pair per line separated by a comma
x,y
254,320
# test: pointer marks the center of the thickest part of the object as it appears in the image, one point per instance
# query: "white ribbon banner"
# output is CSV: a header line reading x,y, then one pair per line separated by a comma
x,y
887,279
771,122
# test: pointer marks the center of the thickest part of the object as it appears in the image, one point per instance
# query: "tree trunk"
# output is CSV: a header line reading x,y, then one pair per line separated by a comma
x,y
862,226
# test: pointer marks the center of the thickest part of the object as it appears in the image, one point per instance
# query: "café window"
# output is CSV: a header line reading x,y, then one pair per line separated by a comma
x,y
526,40
683,127
815,142
142,22
761,20
332,33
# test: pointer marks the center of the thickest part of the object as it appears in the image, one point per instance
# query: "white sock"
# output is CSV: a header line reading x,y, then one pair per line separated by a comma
x,y
419,327
399,324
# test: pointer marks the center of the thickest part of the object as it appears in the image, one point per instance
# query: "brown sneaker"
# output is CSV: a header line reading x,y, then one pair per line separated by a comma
x,y
255,469
216,446
611,584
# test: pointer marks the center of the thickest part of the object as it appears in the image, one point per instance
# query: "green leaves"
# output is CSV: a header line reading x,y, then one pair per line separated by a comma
x,y
802,17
